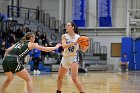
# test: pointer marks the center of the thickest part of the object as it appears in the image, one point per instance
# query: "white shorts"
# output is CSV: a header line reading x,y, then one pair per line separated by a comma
x,y
66,61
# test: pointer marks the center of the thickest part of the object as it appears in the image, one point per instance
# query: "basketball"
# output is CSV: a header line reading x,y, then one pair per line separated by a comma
x,y
83,42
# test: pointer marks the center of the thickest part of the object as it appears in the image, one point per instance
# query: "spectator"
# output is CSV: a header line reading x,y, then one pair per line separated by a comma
x,y
36,54
44,39
124,62
3,48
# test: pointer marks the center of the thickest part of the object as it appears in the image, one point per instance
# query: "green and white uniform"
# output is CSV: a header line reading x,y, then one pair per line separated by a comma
x,y
12,62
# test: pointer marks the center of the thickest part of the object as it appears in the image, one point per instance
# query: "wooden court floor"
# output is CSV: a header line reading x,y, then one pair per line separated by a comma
x,y
93,82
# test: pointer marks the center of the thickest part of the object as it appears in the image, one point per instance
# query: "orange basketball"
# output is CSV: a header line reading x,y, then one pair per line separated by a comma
x,y
83,42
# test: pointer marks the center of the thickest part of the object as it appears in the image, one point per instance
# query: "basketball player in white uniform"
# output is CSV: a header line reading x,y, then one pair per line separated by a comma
x,y
70,57
70,54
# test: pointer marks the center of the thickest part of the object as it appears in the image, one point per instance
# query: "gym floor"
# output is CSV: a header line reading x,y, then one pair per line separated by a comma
x,y
93,82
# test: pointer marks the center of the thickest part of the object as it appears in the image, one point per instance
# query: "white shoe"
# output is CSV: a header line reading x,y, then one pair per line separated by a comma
x,y
38,72
35,72
127,70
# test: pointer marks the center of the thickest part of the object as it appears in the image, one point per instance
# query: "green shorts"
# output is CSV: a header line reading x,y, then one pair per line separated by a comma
x,y
11,63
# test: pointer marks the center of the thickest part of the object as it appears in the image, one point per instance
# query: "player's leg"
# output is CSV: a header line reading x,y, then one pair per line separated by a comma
x,y
26,76
127,65
6,83
74,74
37,65
61,73
123,67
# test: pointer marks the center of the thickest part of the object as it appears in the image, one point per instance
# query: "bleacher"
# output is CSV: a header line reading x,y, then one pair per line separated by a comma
x,y
96,57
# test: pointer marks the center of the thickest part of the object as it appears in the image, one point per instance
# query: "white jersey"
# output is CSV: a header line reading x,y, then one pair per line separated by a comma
x,y
71,51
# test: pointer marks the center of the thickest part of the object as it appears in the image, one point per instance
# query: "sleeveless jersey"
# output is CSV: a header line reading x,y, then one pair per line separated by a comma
x,y
71,51
20,50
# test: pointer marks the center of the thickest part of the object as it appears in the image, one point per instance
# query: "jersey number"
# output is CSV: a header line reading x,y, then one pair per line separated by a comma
x,y
71,49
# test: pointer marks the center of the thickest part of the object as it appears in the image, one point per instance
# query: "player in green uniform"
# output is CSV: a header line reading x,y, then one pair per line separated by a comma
x,y
13,55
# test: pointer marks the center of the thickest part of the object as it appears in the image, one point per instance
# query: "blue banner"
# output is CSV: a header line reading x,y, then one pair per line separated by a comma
x,y
79,12
105,13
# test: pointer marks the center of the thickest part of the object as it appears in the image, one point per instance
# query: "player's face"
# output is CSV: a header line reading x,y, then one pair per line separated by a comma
x,y
33,38
69,27
124,55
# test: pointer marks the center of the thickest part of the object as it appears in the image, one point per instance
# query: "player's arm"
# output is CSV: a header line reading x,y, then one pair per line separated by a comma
x,y
46,49
64,44
8,50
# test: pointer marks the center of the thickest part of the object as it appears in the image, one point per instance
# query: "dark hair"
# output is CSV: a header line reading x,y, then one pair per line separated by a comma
x,y
124,54
27,36
75,27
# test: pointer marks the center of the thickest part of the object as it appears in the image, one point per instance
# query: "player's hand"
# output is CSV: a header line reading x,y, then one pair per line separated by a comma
x,y
77,41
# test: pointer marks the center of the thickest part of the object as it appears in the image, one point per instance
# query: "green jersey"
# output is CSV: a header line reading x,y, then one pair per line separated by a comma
x,y
20,50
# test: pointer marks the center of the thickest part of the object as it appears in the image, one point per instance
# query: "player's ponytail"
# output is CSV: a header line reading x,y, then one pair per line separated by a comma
x,y
23,39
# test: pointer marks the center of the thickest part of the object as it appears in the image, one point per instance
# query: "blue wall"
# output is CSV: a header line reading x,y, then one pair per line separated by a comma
x,y
137,54
127,47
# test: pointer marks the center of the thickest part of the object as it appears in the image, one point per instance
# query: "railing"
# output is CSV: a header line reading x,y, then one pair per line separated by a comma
x,y
96,48
34,14
41,16
57,25
99,50
103,53
52,23
47,19
14,11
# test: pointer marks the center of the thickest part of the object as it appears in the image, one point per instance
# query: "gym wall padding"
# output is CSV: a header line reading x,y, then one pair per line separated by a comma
x,y
127,47
137,54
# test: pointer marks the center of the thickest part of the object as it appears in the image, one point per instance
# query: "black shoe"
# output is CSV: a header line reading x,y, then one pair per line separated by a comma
x,y
58,91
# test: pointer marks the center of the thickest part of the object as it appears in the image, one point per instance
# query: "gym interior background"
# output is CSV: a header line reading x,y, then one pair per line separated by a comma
x,y
105,22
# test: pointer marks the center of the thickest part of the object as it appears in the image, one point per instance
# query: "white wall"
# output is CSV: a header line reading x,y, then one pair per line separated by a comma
x,y
136,4
30,3
52,7
91,13
68,11
119,8
106,41
119,13
3,6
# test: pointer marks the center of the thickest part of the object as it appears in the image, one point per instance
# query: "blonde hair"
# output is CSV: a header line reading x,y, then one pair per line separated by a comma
x,y
27,36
